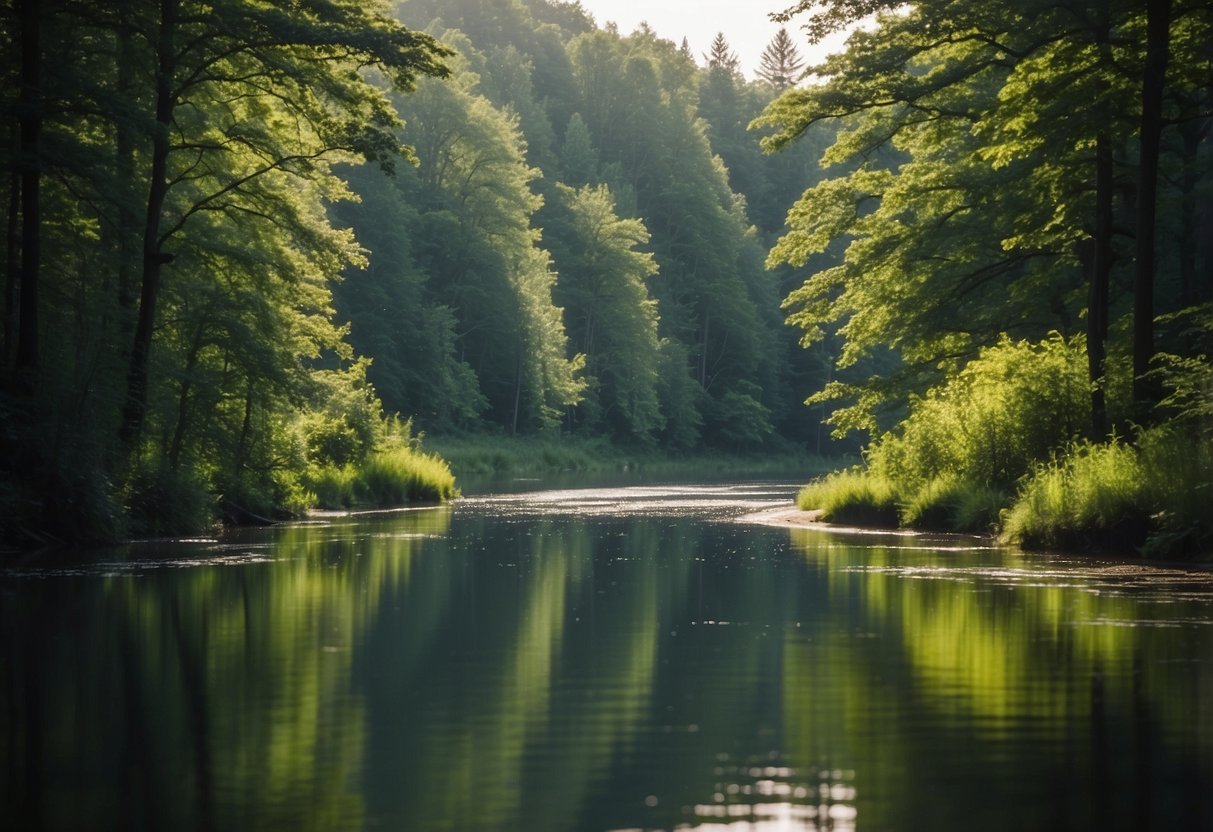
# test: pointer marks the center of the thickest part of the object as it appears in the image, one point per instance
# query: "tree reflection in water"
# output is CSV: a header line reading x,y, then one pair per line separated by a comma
x,y
611,660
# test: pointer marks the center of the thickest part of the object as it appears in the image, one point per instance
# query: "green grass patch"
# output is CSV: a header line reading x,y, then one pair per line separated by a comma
x,y
389,478
854,497
1150,498
954,504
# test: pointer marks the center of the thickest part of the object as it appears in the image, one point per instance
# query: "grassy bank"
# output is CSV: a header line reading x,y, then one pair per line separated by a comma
x,y
522,456
1149,497
389,478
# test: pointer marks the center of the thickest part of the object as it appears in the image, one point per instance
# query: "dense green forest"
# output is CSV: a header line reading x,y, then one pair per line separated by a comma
x,y
254,248
1025,208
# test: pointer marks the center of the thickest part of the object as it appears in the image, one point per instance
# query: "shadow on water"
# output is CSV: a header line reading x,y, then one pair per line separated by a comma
x,y
603,659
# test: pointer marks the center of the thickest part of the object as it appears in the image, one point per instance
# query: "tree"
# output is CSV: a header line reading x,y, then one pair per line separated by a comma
x,y
1158,36
477,242
977,92
720,56
612,319
208,55
780,63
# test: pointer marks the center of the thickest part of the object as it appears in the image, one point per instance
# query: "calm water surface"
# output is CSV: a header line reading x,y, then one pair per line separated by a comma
x,y
610,659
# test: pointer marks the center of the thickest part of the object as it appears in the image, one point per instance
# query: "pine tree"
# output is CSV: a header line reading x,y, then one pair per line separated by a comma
x,y
781,62
720,55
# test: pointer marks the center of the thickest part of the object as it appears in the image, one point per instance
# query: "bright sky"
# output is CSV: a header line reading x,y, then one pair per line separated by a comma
x,y
744,22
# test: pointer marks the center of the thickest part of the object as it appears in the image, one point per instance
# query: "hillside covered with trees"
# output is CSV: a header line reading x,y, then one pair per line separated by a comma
x,y
241,236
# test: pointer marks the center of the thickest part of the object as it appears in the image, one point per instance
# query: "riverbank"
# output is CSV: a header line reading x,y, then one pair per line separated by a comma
x,y
521,456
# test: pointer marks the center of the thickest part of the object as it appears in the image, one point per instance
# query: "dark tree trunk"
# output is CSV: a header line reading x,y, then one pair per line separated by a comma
x,y
1101,270
135,407
124,163
1194,133
12,264
246,427
517,393
1101,266
183,404
31,173
1158,31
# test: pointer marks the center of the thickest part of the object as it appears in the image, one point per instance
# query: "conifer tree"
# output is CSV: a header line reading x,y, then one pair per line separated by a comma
x,y
720,55
781,62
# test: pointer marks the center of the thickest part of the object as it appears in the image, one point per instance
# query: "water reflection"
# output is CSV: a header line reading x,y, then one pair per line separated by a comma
x,y
603,660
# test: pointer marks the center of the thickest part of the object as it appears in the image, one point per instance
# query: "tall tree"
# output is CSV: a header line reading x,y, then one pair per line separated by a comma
x,y
720,55
780,63
1158,36
612,318
30,107
237,50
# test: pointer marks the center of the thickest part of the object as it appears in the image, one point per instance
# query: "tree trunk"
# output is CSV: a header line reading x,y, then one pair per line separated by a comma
x,y
135,407
124,165
1158,26
183,404
30,109
246,427
1101,266
12,265
517,393
1194,133
1101,270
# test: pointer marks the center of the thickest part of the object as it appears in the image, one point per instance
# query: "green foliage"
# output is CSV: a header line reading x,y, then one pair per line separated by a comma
x,y
402,475
739,418
528,455
852,497
949,503
223,125
387,478
611,318
1009,408
1151,497
161,502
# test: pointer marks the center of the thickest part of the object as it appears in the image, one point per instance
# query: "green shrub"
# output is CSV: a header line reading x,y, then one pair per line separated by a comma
x,y
1177,472
333,486
1013,406
854,496
392,477
402,475
949,503
161,501
1152,497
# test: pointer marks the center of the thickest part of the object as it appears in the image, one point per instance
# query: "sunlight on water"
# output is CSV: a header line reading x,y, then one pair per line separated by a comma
x,y
724,501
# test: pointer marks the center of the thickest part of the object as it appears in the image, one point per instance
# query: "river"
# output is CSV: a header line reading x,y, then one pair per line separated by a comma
x,y
629,658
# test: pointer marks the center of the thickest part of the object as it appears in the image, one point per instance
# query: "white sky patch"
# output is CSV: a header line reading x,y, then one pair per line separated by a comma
x,y
745,24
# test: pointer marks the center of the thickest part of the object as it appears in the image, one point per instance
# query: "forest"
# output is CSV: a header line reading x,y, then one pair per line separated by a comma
x,y
254,250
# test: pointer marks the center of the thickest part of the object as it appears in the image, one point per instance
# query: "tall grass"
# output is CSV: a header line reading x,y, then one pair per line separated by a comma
x,y
388,478
1152,497
854,496
527,455
954,504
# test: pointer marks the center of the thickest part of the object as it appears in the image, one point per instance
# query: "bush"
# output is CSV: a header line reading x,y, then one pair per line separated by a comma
x,y
1013,406
402,475
393,477
949,503
855,497
1152,497
161,501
